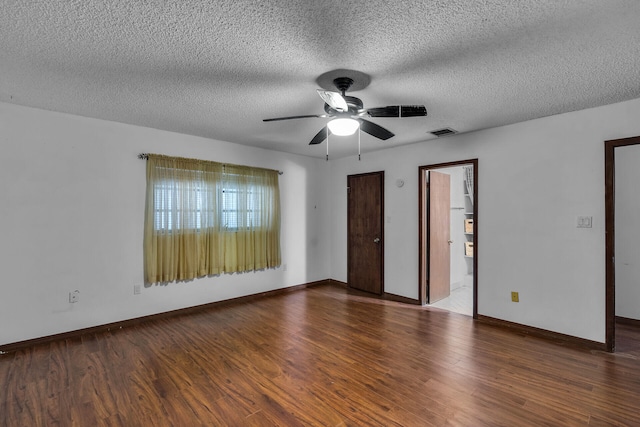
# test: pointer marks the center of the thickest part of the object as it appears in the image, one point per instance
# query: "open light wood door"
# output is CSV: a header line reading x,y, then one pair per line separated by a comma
x,y
438,236
365,232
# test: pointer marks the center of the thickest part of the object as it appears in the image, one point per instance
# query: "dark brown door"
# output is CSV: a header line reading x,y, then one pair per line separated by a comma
x,y
439,235
365,232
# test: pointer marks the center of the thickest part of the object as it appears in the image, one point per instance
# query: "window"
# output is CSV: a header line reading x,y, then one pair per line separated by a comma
x,y
206,218
167,197
233,212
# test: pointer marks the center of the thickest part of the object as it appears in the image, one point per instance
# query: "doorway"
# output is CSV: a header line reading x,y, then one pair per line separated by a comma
x,y
365,232
621,206
448,236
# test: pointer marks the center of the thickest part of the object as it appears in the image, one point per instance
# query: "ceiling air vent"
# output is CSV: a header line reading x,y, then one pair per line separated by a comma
x,y
443,132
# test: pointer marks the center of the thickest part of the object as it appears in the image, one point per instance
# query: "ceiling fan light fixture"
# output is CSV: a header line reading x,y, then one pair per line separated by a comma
x,y
343,126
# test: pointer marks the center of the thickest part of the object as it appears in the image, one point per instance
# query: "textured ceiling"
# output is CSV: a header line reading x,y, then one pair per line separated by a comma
x,y
217,68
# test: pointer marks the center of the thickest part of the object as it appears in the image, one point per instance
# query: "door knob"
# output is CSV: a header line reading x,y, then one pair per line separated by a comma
x,y
376,240
450,241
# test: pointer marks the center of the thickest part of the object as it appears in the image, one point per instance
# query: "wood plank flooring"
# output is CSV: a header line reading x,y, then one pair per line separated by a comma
x,y
323,356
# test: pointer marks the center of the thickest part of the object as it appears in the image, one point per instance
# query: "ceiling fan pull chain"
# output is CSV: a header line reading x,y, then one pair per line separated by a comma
x,y
359,132
327,144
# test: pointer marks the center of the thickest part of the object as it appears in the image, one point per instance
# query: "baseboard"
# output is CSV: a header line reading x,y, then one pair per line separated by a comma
x,y
385,296
517,327
557,337
12,347
627,321
398,298
335,282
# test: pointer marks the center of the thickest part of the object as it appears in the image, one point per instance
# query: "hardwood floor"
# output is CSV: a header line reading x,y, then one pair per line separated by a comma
x,y
324,356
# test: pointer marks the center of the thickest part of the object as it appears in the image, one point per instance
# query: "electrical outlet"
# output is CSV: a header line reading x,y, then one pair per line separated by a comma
x,y
515,297
74,296
284,267
584,221
136,289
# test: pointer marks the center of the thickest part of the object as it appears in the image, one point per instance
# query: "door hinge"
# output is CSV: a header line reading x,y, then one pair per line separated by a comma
x,y
348,190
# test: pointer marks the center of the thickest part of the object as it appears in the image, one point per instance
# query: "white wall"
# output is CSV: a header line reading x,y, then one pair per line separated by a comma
x,y
627,227
72,194
72,205
535,178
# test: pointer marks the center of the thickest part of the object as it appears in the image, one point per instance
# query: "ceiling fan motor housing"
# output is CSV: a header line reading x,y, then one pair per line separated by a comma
x,y
355,106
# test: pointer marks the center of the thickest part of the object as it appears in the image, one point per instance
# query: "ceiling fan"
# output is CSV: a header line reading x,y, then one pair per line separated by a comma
x,y
347,113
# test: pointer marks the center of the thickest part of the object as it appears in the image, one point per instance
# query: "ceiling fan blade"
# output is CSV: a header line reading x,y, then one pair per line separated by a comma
x,y
398,111
334,100
375,130
413,111
295,117
390,111
320,136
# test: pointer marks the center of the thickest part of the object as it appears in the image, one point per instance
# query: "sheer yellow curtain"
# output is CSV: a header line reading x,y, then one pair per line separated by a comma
x,y
182,238
205,218
252,237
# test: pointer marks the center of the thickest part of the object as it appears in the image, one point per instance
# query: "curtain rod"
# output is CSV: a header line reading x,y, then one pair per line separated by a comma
x,y
145,156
